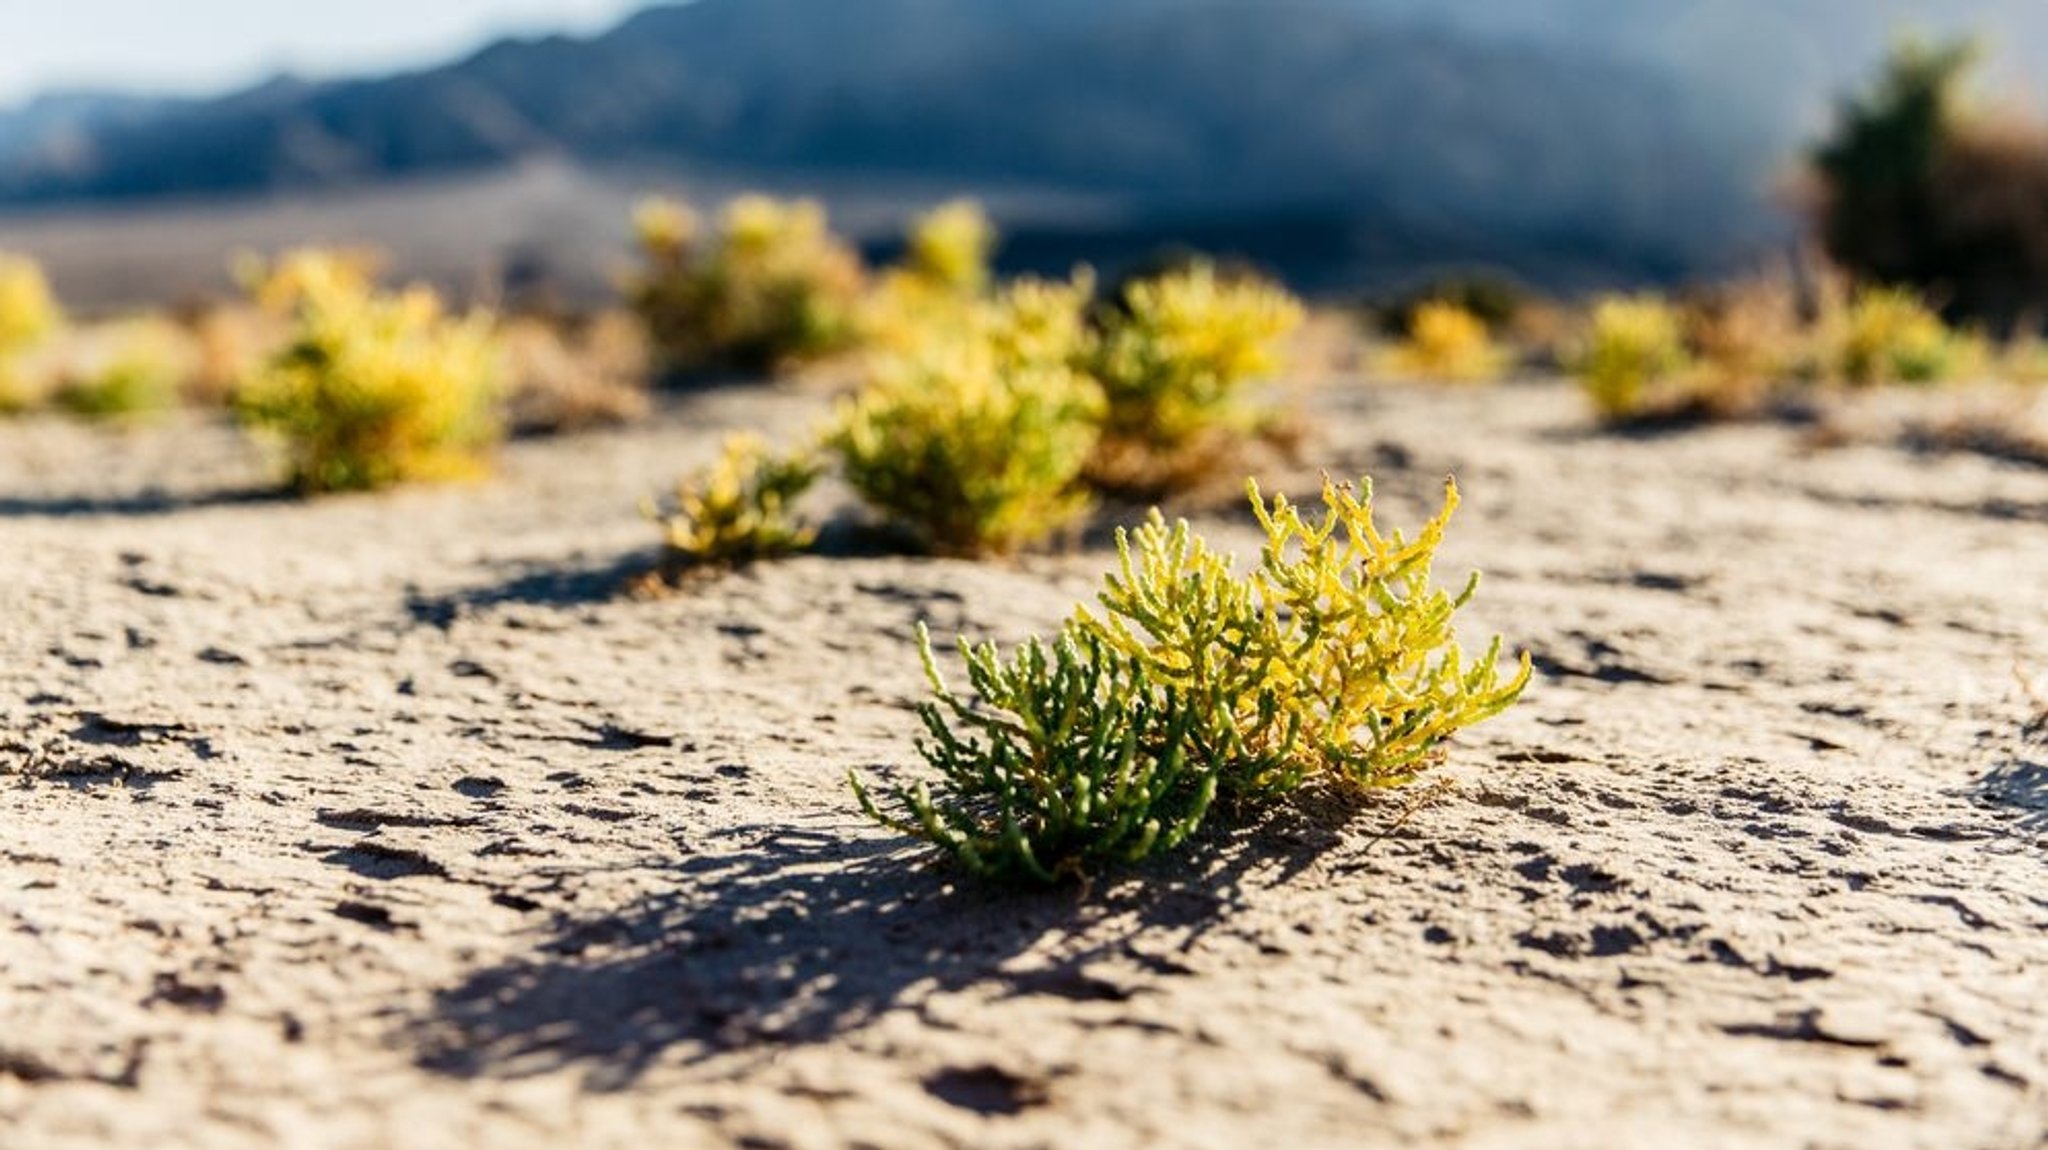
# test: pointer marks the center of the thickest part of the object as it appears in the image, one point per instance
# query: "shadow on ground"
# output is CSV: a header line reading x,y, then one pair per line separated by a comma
x,y
549,586
2021,781
139,504
797,937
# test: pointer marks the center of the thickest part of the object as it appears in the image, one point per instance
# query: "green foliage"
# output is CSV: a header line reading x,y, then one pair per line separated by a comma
x,y
974,442
1175,356
1633,344
372,389
1881,216
773,288
1070,760
740,509
1888,335
1335,658
1447,342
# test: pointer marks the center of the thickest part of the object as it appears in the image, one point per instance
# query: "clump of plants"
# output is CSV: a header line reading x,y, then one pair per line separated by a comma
x,y
975,444
741,508
372,388
1633,350
1176,356
1447,342
28,314
1335,658
1890,335
951,246
772,288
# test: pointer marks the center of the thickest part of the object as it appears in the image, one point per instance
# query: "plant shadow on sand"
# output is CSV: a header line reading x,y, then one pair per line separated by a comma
x,y
533,585
140,504
2021,781
799,936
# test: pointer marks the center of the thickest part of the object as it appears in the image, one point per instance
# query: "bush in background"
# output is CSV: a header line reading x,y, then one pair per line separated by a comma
x,y
1449,343
1633,347
28,313
740,509
371,388
1889,335
1175,359
773,288
975,444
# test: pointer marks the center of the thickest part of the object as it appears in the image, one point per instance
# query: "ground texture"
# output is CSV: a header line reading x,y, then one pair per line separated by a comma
x,y
385,821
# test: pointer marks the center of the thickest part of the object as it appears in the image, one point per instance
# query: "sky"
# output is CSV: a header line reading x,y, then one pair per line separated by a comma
x,y
198,46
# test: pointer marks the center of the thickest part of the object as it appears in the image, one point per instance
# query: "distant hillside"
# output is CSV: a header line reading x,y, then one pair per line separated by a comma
x,y
1636,137
1197,108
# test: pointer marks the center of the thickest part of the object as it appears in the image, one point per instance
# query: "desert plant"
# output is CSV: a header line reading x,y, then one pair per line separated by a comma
x,y
970,448
1069,760
28,313
739,509
1447,342
1889,335
1631,346
1496,300
773,288
1335,658
1174,359
372,388
950,247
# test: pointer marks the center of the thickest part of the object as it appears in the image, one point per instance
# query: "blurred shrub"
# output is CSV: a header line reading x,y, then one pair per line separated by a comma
x,y
127,370
1494,300
740,509
372,388
1888,335
974,445
1175,357
1334,659
1447,342
1921,190
951,247
772,289
1750,340
591,375
1632,346
28,313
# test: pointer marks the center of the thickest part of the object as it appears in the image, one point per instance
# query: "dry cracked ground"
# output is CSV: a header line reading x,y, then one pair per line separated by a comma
x,y
387,821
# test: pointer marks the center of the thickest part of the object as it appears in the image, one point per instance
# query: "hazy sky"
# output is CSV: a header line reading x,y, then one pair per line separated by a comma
x,y
202,45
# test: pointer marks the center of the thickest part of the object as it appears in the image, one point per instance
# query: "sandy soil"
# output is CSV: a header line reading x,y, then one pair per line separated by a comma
x,y
383,822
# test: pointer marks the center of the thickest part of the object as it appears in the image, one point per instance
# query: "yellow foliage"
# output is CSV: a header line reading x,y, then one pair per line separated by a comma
x,y
1633,345
951,246
1889,335
1447,342
1174,361
1335,658
974,445
373,388
740,509
28,313
774,287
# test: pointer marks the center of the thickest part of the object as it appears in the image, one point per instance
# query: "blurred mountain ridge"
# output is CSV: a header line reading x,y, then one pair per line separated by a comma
x,y
1650,131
